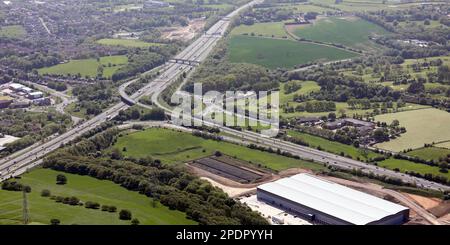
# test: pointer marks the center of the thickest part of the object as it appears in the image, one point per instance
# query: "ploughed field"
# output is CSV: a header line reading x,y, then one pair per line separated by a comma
x,y
225,168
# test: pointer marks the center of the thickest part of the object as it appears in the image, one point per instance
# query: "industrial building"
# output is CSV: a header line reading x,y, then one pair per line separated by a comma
x,y
324,202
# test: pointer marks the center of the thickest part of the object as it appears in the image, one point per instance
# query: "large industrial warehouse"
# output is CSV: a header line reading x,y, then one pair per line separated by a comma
x,y
324,202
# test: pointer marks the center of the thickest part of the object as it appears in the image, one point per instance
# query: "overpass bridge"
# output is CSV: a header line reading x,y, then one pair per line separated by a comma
x,y
185,61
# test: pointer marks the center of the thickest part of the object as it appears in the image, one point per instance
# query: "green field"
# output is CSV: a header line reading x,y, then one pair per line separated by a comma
x,y
171,147
430,153
274,53
404,165
42,209
343,106
87,67
133,43
365,5
301,7
307,88
332,146
13,31
423,126
269,29
350,31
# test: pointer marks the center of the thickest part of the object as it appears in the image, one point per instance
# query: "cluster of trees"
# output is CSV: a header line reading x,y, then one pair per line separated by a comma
x,y
30,127
29,62
15,186
58,86
265,15
291,87
207,136
95,97
73,201
233,77
135,113
138,63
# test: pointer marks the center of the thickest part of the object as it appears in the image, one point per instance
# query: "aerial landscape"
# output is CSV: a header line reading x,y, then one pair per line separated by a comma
x,y
224,112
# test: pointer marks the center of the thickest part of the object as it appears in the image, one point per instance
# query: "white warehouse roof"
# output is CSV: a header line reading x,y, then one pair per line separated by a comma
x,y
333,199
16,86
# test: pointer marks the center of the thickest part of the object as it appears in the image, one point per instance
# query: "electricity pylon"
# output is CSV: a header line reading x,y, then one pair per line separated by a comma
x,y
25,216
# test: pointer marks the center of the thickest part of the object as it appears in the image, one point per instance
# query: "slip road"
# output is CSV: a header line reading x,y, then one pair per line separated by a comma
x,y
225,235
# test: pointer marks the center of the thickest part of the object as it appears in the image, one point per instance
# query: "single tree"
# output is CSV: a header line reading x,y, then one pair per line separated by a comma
x,y
135,222
55,222
125,214
61,179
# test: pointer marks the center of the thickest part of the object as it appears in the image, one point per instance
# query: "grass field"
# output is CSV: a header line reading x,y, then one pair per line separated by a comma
x,y
13,31
344,106
307,88
301,7
430,153
331,146
87,67
274,53
269,29
177,147
365,5
42,209
423,126
351,32
404,165
133,43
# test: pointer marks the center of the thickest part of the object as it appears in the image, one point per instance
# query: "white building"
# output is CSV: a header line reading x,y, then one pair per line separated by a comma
x,y
325,202
15,86
26,90
35,95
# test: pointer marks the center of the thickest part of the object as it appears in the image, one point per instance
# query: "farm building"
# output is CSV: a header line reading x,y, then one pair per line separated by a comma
x,y
325,202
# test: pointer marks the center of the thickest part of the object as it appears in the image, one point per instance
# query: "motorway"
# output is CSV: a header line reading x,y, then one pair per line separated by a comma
x,y
197,51
19,162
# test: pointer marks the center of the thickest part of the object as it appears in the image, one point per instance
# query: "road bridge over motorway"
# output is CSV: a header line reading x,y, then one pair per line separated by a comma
x,y
185,61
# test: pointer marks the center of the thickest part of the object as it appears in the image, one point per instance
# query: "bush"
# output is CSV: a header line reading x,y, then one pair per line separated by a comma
x,y
45,193
59,199
105,208
125,214
55,222
27,189
92,205
135,222
12,186
70,200
61,179
112,209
